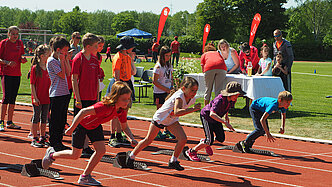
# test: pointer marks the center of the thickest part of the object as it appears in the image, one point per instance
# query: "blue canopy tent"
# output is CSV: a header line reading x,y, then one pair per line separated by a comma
x,y
135,33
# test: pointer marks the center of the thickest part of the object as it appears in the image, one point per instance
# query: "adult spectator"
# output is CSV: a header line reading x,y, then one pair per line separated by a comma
x,y
175,47
230,56
155,50
74,41
214,69
11,51
249,54
286,50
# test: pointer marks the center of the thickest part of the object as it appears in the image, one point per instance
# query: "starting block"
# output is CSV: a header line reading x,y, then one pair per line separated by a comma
x,y
183,155
119,161
237,148
34,169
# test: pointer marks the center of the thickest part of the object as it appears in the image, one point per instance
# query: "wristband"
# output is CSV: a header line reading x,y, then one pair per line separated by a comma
x,y
78,102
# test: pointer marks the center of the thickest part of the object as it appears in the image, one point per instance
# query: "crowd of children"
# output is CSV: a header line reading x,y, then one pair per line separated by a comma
x,y
60,68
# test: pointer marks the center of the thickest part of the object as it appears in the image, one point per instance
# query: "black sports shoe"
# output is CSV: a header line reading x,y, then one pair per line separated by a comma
x,y
175,165
129,161
245,147
87,152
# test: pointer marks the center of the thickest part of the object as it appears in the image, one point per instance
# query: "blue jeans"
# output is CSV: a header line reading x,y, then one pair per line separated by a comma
x,y
256,116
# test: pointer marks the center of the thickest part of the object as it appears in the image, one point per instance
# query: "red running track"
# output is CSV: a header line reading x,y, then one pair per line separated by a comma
x,y
302,164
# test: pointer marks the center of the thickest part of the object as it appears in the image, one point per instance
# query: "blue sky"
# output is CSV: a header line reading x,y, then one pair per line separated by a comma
x,y
117,6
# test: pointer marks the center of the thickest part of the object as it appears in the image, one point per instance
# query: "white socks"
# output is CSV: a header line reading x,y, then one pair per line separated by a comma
x,y
173,159
132,156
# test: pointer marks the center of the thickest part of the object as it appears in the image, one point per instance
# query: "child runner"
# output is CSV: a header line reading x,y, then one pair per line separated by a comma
x,y
58,69
280,70
162,80
211,117
260,109
40,84
168,116
88,122
265,63
11,51
108,53
85,71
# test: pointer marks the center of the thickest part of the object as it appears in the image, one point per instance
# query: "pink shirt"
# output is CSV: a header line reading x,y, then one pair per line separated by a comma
x,y
104,114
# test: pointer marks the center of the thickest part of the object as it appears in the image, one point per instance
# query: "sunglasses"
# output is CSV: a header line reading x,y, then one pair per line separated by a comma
x,y
78,37
276,36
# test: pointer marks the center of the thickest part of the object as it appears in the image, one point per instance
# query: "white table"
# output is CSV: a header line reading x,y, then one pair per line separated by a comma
x,y
255,86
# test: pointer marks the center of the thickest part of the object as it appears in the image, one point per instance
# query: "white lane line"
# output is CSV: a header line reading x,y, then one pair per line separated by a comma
x,y
286,150
3,184
312,74
80,169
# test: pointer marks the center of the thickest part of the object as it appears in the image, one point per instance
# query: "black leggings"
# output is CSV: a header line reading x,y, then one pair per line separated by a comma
x,y
10,86
210,128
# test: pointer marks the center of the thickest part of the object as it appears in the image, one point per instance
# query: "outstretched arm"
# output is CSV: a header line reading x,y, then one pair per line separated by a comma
x,y
179,111
79,117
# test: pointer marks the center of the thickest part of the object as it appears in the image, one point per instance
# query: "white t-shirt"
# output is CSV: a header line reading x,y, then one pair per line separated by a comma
x,y
162,115
264,63
165,77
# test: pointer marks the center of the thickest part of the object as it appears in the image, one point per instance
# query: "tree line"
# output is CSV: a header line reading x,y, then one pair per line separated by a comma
x,y
307,24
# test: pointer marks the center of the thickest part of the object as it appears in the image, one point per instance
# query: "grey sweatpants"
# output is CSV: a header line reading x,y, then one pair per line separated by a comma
x,y
216,77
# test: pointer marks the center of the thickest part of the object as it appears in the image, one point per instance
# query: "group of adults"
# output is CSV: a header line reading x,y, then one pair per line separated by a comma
x,y
216,63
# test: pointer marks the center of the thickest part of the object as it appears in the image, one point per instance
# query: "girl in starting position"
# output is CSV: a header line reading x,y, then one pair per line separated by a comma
x,y
176,105
87,122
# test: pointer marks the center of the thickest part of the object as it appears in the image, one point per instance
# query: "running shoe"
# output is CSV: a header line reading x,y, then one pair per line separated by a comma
x,y
160,136
36,143
175,165
87,152
88,180
209,150
192,155
47,160
168,134
245,147
11,125
114,143
2,126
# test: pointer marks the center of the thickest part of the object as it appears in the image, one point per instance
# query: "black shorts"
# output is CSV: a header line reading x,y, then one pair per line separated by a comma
x,y
80,132
160,126
160,96
10,86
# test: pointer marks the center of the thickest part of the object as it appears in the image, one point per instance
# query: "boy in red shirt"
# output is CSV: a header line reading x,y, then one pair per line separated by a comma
x,y
85,72
175,46
11,51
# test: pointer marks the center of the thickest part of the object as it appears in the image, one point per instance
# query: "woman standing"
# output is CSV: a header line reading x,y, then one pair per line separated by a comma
x,y
11,51
230,56
214,69
75,40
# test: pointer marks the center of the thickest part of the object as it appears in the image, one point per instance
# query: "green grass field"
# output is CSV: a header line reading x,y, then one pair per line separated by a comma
x,y
310,115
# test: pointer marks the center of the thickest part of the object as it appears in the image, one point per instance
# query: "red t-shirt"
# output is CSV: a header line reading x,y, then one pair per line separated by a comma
x,y
11,52
175,46
253,58
212,60
155,47
108,50
104,114
70,85
87,71
42,85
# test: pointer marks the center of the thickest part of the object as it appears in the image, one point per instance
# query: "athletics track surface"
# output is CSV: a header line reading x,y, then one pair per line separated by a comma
x,y
302,164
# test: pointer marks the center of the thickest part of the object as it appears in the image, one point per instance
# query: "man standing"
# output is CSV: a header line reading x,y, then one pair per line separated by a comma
x,y
155,50
285,48
175,47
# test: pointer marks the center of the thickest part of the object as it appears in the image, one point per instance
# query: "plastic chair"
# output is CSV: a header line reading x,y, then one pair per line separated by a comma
x,y
144,82
139,73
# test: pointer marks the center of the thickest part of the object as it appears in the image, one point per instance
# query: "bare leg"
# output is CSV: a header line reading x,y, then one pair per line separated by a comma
x,y
199,146
178,131
3,111
34,128
68,154
153,131
11,112
96,156
42,129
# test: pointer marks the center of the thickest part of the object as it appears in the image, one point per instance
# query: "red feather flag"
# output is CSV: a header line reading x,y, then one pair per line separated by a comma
x,y
162,21
254,26
205,35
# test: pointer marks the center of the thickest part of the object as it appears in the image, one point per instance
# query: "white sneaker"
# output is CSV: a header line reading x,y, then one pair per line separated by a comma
x,y
88,180
47,160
